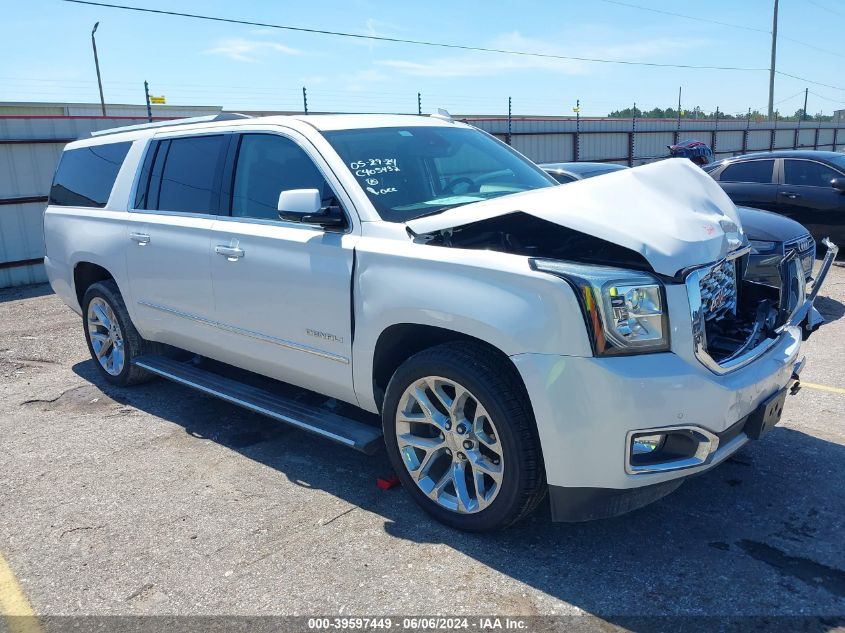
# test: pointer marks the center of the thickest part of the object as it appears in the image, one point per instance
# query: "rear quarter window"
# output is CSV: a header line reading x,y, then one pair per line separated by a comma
x,y
85,176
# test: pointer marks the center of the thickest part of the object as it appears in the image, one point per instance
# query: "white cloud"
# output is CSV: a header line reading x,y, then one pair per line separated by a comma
x,y
245,50
478,63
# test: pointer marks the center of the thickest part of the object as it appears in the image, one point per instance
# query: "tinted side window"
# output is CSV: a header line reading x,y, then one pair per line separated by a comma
x,y
807,173
751,171
85,176
266,166
185,174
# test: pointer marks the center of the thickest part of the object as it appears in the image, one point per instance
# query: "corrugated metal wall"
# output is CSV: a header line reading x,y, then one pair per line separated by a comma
x,y
30,147
636,142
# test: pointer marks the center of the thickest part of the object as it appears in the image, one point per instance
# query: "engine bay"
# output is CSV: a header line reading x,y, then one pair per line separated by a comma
x,y
520,233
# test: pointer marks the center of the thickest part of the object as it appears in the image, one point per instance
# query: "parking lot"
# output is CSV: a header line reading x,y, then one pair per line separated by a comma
x,y
160,500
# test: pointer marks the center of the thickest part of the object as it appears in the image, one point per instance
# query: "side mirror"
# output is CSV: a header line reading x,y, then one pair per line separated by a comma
x,y
306,206
295,204
838,184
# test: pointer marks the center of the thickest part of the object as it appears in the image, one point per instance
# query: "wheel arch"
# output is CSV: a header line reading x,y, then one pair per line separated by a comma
x,y
85,274
400,341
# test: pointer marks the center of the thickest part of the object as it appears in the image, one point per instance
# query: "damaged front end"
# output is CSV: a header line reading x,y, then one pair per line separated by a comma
x,y
617,238
736,320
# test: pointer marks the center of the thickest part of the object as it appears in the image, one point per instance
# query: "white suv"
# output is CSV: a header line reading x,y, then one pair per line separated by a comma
x,y
433,290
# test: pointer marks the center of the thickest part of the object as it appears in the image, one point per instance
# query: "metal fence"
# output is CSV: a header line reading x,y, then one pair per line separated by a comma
x,y
637,141
30,147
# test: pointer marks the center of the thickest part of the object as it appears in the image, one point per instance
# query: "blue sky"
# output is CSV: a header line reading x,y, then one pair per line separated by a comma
x,y
47,52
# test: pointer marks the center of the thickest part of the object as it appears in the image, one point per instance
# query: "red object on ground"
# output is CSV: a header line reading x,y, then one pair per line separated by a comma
x,y
387,484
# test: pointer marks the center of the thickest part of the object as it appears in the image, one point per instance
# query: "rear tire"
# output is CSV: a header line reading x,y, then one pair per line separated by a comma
x,y
112,339
461,436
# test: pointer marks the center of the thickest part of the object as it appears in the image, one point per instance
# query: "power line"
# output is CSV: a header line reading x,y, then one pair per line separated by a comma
x,y
720,23
797,94
687,17
826,98
396,40
809,81
813,46
820,6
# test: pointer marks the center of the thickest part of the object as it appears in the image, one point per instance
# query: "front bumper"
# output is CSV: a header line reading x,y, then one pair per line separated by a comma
x,y
587,407
588,410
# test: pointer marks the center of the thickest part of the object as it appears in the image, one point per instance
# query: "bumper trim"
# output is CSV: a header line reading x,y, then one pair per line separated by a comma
x,y
573,505
708,444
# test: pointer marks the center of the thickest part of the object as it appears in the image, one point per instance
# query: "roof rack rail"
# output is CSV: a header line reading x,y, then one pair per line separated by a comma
x,y
222,116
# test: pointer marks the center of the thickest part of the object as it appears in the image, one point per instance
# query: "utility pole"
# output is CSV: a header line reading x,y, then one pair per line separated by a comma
x,y
679,109
304,100
97,65
577,130
147,96
419,104
804,112
509,121
772,67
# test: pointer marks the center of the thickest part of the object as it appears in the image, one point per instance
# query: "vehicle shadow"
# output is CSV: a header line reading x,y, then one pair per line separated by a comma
x,y
830,309
759,535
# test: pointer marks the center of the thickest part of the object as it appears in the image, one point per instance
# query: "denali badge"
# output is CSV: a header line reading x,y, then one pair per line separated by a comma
x,y
718,300
324,335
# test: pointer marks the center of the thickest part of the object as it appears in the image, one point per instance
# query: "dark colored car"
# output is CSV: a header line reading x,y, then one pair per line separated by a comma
x,y
807,186
570,172
772,236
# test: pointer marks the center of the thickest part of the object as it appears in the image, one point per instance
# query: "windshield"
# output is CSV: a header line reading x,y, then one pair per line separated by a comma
x,y
598,171
415,171
838,161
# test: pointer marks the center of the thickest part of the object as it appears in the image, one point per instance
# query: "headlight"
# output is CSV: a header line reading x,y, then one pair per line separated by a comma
x,y
759,246
624,309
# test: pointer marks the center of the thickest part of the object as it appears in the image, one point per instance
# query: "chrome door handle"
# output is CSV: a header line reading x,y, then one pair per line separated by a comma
x,y
790,194
142,238
232,253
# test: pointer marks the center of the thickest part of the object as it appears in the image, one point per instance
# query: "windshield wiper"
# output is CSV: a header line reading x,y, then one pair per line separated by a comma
x,y
438,211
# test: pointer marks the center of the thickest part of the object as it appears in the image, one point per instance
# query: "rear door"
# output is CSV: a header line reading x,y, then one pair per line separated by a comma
x,y
177,199
806,196
751,183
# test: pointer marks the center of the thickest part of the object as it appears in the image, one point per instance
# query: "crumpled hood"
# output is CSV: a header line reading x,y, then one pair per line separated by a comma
x,y
671,212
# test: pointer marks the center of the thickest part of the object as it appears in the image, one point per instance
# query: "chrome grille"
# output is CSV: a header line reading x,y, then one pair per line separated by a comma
x,y
718,291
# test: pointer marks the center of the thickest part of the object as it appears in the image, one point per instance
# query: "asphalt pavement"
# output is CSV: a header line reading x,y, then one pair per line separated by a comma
x,y
160,500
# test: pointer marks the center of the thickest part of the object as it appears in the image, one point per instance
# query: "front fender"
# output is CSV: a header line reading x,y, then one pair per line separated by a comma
x,y
491,296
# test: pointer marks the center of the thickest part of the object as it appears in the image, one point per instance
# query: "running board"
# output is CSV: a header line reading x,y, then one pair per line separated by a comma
x,y
343,430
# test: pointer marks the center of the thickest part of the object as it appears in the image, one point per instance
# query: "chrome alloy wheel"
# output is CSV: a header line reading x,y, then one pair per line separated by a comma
x,y
106,337
449,444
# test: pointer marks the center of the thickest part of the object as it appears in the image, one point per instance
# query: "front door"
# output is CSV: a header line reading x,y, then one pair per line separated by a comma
x,y
807,197
282,290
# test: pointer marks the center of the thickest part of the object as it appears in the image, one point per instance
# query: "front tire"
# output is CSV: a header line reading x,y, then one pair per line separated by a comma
x,y
112,338
461,436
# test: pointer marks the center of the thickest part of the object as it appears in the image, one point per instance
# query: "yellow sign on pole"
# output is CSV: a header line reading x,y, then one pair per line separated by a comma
x,y
158,100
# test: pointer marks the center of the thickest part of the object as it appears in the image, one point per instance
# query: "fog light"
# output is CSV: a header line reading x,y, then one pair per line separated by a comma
x,y
670,448
644,444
